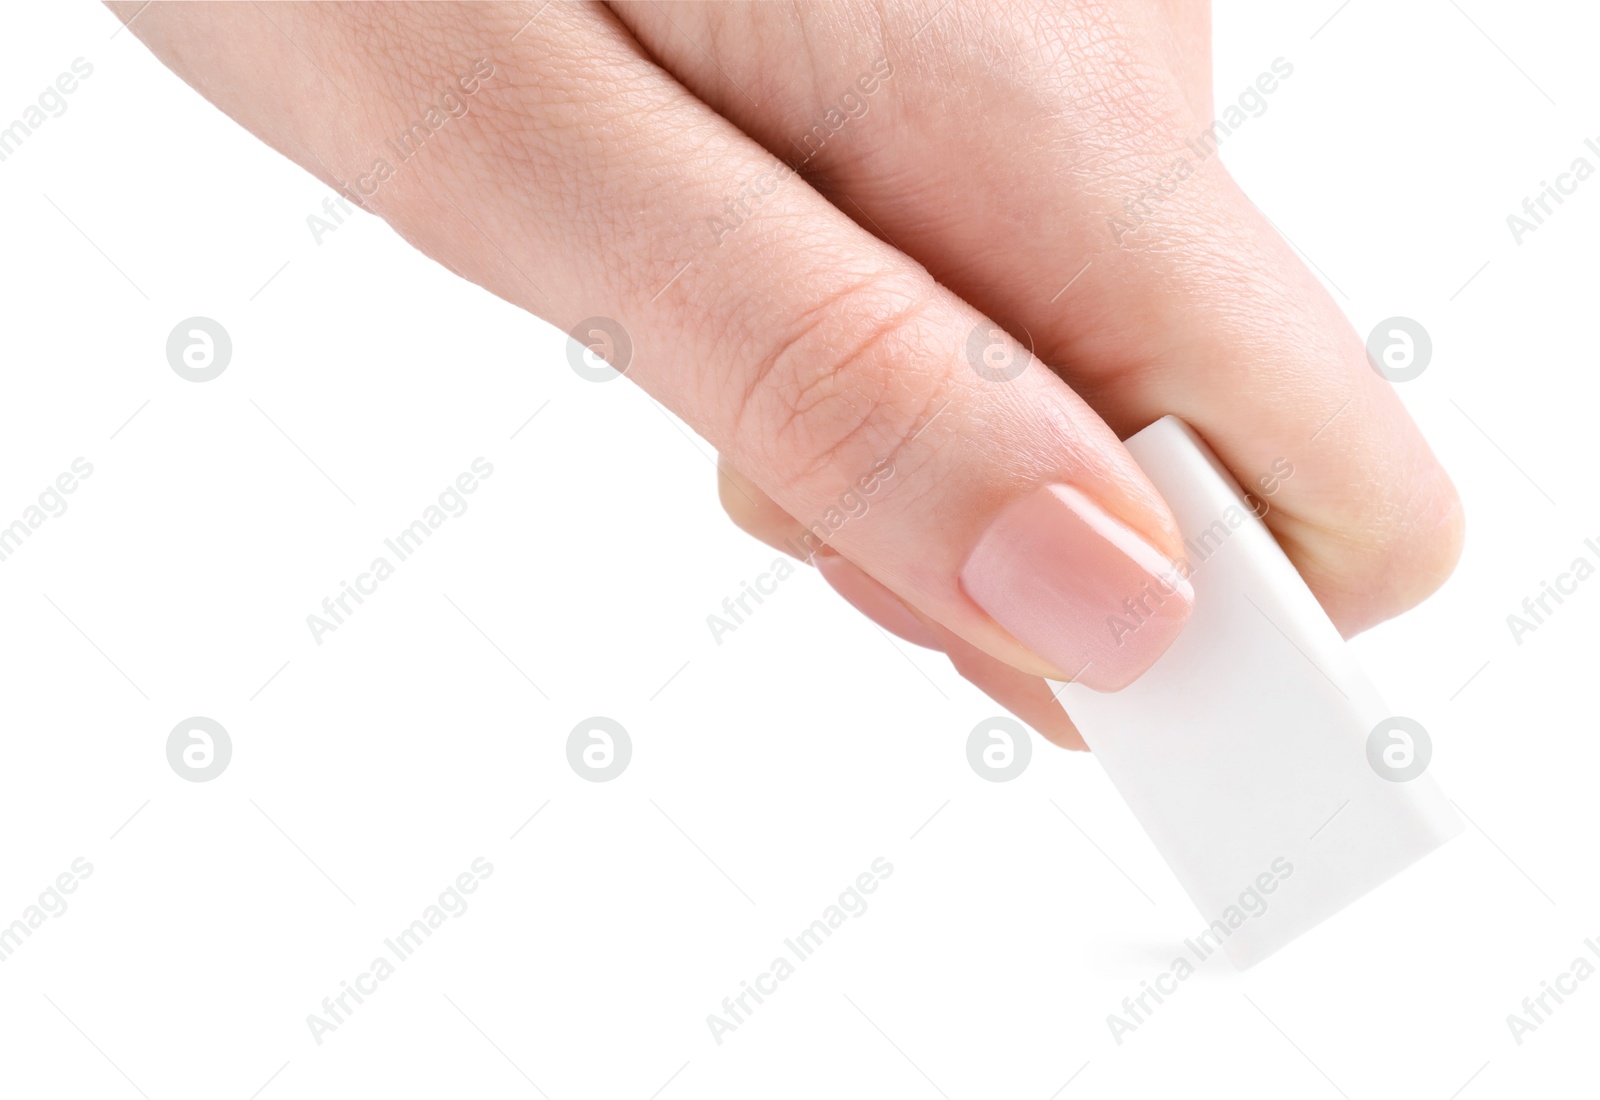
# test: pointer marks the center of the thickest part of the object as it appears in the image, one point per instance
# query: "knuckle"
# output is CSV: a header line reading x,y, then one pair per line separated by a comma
x,y
847,383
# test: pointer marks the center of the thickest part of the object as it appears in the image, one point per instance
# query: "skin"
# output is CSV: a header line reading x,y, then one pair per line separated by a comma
x,y
829,329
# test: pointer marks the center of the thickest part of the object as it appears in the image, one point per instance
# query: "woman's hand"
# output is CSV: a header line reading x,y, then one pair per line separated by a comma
x,y
818,224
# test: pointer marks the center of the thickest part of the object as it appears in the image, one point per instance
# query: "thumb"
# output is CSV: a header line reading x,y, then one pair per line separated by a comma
x,y
831,369
914,439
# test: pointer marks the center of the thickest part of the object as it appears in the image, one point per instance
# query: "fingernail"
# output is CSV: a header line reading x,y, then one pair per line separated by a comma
x,y
872,599
1079,587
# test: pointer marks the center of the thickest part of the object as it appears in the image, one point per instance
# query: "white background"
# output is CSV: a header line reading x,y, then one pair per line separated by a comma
x,y
770,770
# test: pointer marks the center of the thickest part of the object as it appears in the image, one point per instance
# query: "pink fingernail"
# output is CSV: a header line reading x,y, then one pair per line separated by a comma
x,y
872,599
1078,586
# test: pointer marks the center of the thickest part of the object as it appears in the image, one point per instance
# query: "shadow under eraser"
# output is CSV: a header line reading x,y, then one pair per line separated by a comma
x,y
1243,751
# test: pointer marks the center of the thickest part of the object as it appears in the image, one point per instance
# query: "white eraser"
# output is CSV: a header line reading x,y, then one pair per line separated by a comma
x,y
1244,751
